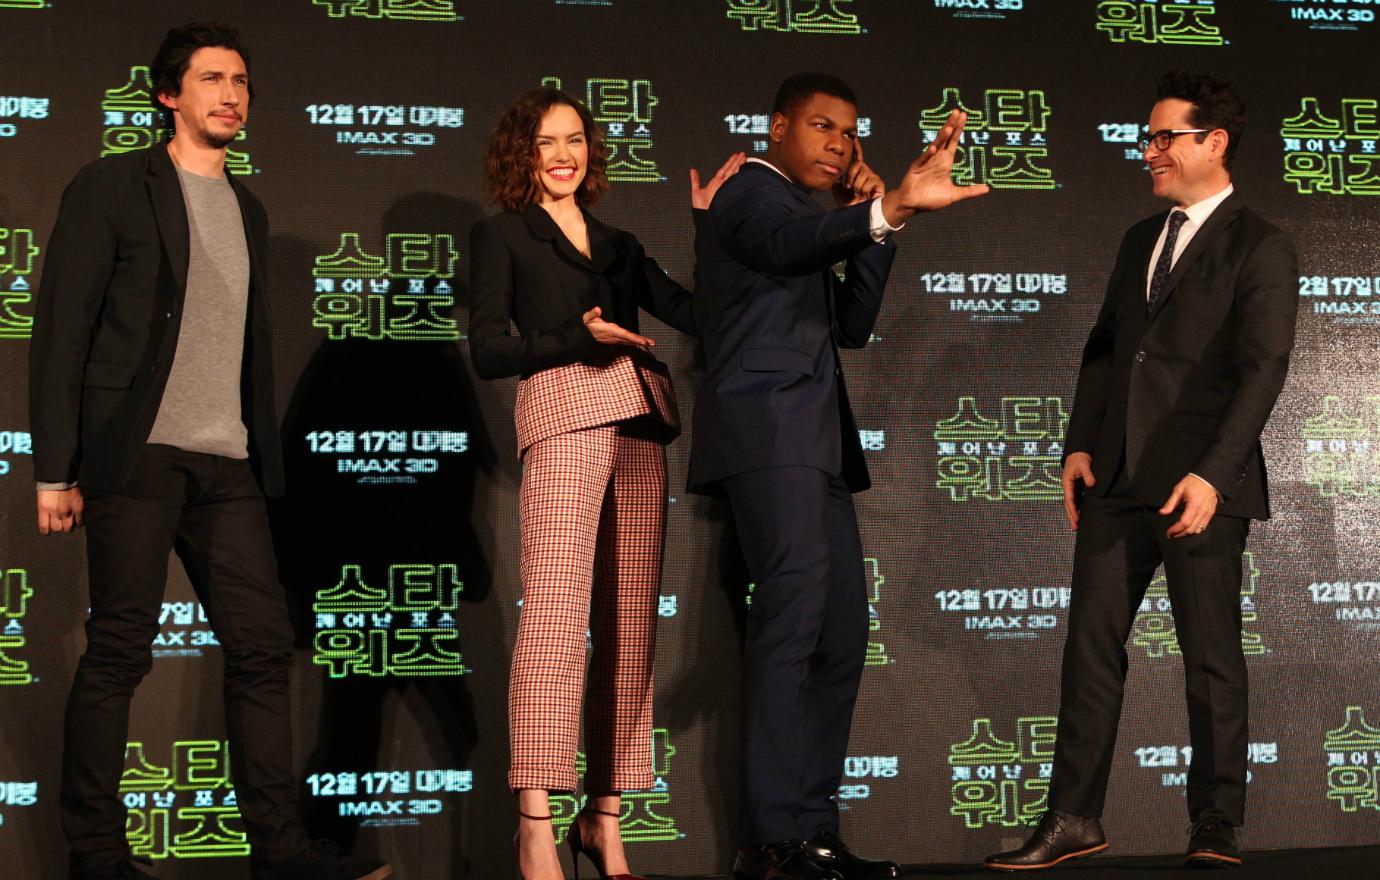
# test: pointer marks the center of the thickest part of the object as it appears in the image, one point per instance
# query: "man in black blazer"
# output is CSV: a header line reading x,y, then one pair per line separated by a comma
x,y
774,433
1179,375
151,399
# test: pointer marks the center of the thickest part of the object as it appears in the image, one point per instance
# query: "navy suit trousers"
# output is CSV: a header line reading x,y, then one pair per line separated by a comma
x,y
805,646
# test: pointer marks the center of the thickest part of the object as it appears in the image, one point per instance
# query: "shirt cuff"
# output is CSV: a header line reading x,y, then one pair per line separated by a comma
x,y
1206,483
880,228
56,487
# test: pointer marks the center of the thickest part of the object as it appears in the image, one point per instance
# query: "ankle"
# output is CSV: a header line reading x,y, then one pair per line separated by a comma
x,y
597,827
610,804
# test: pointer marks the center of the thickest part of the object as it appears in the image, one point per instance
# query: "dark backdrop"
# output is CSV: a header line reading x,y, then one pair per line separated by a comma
x,y
398,542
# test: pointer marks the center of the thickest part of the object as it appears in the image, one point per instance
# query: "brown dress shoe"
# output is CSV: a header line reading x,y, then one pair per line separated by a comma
x,y
1058,837
1212,842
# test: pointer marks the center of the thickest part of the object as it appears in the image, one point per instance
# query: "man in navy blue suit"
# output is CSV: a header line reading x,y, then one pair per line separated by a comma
x,y
774,433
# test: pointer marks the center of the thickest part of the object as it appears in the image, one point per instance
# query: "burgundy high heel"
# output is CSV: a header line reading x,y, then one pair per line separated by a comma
x,y
517,849
574,838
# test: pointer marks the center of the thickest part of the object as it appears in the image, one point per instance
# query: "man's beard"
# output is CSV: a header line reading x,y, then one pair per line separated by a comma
x,y
216,141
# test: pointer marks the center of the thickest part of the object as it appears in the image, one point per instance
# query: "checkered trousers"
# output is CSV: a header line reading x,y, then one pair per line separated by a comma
x,y
593,519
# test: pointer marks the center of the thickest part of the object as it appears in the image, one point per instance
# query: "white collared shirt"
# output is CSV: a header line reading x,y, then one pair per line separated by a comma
x,y
879,227
1198,213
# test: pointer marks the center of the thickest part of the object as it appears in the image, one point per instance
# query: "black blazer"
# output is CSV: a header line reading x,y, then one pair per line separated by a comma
x,y
108,314
772,313
524,271
1188,388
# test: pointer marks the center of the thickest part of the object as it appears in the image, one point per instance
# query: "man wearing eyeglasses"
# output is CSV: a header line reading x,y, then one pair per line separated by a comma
x,y
1163,465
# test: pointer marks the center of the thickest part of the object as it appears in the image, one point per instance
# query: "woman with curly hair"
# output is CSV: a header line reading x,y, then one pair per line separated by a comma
x,y
594,412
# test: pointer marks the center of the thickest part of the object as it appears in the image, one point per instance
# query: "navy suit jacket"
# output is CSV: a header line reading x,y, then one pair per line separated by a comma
x,y
1188,387
772,313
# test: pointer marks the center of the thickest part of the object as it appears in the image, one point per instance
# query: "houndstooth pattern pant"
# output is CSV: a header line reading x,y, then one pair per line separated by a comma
x,y
593,517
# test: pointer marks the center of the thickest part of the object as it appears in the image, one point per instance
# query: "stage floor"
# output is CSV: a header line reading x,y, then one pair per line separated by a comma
x,y
1350,863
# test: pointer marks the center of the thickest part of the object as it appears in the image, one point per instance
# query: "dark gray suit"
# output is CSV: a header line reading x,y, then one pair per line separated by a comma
x,y
1185,388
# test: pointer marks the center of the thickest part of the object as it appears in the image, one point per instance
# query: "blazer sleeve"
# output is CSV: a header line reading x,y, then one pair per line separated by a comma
x,y
858,295
1266,306
662,296
495,350
1094,375
760,225
77,268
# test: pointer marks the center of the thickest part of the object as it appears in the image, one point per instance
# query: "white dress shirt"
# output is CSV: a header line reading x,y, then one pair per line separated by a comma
x,y
880,228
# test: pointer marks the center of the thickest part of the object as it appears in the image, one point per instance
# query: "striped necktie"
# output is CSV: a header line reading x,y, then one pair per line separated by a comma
x,y
1177,219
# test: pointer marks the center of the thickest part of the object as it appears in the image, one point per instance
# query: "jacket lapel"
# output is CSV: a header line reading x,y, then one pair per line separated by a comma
x,y
1136,284
1218,221
165,193
542,226
802,196
601,244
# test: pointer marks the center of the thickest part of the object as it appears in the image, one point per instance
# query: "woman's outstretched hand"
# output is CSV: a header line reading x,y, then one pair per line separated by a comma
x,y
611,334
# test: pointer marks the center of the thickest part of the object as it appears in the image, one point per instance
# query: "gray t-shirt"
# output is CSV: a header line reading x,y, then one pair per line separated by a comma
x,y
200,411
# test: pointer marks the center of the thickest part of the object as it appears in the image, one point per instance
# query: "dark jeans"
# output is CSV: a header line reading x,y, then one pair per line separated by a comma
x,y
1120,543
211,511
804,650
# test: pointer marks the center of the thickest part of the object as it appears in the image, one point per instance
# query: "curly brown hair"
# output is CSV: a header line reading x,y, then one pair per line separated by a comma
x,y
511,162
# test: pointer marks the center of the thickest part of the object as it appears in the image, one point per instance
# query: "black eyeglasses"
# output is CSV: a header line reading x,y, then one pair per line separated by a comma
x,y
1165,136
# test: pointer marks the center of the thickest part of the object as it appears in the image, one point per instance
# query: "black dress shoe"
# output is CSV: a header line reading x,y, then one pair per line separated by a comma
x,y
783,860
1058,837
828,851
324,860
1212,842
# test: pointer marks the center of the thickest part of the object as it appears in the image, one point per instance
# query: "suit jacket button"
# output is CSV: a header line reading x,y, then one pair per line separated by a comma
x,y
1140,357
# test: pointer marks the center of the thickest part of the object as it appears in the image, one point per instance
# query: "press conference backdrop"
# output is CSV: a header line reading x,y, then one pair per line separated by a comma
x,y
398,543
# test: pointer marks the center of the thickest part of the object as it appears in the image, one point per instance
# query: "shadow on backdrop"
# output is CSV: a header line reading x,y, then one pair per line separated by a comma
x,y
383,441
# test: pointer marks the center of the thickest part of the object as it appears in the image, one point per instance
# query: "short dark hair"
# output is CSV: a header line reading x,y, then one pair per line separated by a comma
x,y
798,89
511,164
1216,104
175,55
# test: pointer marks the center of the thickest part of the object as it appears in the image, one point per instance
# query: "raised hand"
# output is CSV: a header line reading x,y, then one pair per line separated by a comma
x,y
611,334
702,196
858,183
928,183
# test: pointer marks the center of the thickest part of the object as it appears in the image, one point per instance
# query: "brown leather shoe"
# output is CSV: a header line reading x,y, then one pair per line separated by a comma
x,y
1212,842
1058,837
